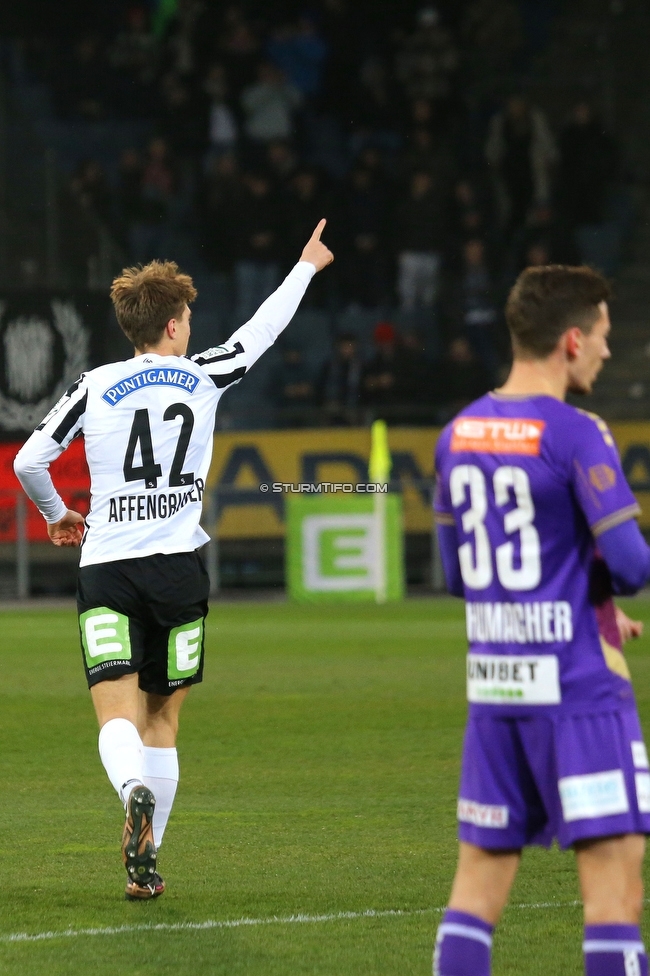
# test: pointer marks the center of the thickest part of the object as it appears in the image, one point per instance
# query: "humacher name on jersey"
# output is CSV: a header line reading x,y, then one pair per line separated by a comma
x,y
529,483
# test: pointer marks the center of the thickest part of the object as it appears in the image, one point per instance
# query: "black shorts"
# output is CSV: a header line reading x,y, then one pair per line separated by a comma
x,y
146,617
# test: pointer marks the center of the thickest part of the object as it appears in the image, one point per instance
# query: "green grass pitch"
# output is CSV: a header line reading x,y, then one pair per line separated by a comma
x,y
319,763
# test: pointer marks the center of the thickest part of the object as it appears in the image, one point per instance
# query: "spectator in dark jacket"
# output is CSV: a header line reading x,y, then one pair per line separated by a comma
x,y
91,188
459,378
83,81
304,205
588,161
385,380
427,58
340,381
430,153
182,120
149,234
521,152
372,106
257,271
545,231
219,209
134,57
223,130
292,388
475,306
364,230
420,237
304,208
129,194
415,369
238,47
281,163
467,218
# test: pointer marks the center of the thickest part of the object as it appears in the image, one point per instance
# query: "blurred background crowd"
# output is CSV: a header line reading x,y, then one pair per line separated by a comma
x,y
432,136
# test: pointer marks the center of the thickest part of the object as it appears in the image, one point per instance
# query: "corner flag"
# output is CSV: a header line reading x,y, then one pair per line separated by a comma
x,y
380,459
379,471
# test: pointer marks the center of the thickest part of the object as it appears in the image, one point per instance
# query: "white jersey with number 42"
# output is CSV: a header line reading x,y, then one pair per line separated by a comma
x,y
148,425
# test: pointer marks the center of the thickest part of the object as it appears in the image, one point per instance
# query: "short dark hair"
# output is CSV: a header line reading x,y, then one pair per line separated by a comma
x,y
145,299
546,301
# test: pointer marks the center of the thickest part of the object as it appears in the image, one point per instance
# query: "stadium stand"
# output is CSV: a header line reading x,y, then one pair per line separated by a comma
x,y
130,136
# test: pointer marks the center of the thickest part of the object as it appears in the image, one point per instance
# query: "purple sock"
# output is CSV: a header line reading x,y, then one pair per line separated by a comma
x,y
614,950
463,946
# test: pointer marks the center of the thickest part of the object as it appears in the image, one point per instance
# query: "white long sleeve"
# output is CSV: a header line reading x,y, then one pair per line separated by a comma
x,y
55,432
31,466
228,363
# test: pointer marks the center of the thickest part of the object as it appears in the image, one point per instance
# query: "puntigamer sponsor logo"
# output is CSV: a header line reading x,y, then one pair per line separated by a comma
x,y
150,377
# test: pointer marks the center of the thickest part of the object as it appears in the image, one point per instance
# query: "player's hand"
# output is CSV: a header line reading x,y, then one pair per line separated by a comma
x,y
68,531
315,251
627,628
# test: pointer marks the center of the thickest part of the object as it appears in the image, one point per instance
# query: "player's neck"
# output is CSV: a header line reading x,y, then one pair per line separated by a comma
x,y
537,377
168,347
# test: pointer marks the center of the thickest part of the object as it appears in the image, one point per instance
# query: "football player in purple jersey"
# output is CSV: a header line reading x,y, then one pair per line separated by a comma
x,y
537,532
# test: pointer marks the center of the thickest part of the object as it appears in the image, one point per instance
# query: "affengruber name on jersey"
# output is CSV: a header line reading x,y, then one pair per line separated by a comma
x,y
144,508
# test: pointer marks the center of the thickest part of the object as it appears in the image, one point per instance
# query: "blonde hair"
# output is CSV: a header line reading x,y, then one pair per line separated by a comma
x,y
146,298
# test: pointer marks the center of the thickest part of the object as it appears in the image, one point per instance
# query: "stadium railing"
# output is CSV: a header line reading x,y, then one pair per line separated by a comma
x,y
21,535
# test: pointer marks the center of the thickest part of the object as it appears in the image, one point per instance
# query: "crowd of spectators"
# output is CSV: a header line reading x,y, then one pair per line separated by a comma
x,y
439,178
396,380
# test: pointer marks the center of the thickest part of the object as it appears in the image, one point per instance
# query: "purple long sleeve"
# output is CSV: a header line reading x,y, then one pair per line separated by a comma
x,y
627,556
448,543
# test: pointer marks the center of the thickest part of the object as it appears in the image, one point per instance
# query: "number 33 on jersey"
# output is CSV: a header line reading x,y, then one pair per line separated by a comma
x,y
525,486
476,559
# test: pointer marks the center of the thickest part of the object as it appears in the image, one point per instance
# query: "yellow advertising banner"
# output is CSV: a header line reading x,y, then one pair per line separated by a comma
x,y
243,461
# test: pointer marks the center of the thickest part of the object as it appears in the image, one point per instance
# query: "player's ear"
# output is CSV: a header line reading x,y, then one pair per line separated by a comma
x,y
573,341
170,329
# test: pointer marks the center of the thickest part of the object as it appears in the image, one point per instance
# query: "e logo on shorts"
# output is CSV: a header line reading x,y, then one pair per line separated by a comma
x,y
105,636
184,650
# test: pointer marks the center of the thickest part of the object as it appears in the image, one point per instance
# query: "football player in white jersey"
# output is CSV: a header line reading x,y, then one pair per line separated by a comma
x,y
142,589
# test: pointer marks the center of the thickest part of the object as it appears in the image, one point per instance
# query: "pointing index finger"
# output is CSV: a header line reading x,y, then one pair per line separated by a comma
x,y
319,230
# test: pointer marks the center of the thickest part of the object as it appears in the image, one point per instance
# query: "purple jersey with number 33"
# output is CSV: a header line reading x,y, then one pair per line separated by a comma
x,y
530,483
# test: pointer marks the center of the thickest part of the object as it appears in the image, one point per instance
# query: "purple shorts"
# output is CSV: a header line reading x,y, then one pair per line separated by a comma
x,y
529,780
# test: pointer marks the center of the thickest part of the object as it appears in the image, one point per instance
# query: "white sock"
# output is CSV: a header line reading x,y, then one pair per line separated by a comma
x,y
122,755
161,776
